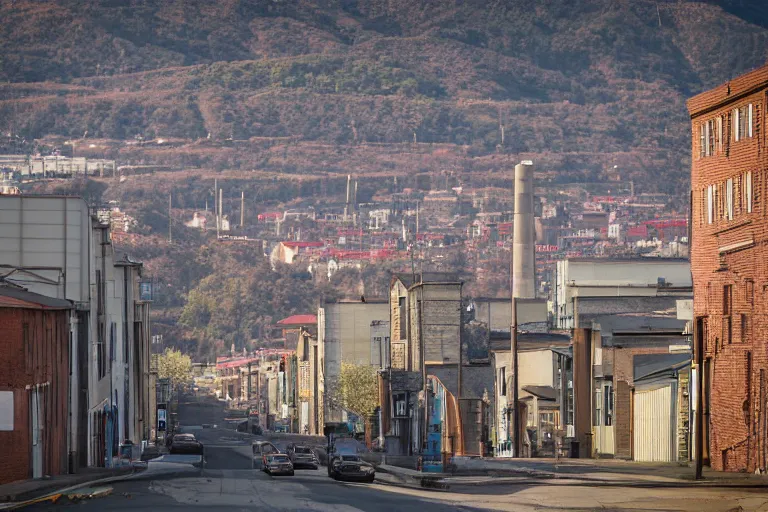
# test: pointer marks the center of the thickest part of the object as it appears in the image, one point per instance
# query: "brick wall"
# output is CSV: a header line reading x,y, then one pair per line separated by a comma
x,y
732,251
42,363
14,464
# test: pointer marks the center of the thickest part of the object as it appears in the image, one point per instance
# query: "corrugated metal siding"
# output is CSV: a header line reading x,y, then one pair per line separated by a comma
x,y
653,425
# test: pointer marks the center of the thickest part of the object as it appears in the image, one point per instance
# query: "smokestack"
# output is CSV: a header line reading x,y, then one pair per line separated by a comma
x,y
523,246
346,205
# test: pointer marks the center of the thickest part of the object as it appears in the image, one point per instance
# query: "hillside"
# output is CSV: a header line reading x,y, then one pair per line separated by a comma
x,y
580,85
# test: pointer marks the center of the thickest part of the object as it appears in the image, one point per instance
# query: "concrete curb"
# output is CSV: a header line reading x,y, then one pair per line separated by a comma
x,y
533,477
54,495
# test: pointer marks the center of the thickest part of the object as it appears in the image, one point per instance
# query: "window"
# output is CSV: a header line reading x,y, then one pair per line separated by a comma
x,y
719,129
742,122
709,136
727,330
744,328
702,140
747,191
749,291
503,381
727,299
729,199
710,204
598,406
401,311
608,405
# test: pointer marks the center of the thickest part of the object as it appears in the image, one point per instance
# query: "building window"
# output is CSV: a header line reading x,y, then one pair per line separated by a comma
x,y
710,204
503,381
401,312
598,406
744,328
608,408
727,309
746,191
729,199
749,291
719,134
742,122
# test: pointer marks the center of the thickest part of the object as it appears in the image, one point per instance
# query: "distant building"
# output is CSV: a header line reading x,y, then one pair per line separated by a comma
x,y
589,284
728,255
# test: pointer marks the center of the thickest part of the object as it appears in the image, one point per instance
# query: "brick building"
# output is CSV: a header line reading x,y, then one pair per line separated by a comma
x,y
34,381
730,277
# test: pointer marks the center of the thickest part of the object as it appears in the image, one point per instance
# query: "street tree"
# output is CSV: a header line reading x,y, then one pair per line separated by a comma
x,y
356,390
174,365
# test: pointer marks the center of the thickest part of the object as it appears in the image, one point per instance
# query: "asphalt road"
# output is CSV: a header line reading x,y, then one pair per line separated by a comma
x,y
229,483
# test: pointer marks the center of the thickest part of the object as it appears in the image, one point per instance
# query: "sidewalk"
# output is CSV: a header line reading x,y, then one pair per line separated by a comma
x,y
25,490
31,489
581,472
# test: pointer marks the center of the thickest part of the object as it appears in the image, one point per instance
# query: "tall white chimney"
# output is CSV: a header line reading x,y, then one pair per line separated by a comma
x,y
523,245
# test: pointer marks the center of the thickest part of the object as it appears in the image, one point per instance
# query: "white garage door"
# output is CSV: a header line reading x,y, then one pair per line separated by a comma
x,y
653,432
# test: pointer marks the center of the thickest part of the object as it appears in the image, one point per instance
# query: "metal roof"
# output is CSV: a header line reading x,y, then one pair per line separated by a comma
x,y
12,297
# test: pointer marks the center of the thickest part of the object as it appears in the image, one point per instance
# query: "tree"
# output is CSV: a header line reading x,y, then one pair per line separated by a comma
x,y
175,366
356,390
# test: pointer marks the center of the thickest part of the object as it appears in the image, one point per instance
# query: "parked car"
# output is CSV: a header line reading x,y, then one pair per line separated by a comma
x,y
261,449
277,464
185,444
303,457
351,467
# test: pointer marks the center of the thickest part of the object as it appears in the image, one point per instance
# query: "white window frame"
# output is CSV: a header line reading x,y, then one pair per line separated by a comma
x,y
736,125
749,122
748,190
702,140
710,204
729,199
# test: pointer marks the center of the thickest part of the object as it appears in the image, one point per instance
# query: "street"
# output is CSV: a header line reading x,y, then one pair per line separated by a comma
x,y
229,483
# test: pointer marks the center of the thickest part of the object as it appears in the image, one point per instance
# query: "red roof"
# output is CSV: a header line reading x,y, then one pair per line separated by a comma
x,y
303,244
299,320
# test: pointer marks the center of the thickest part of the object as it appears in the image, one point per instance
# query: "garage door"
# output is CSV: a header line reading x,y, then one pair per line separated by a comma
x,y
653,432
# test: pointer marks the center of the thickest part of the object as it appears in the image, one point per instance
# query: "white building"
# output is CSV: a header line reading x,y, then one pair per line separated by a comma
x,y
580,283
344,335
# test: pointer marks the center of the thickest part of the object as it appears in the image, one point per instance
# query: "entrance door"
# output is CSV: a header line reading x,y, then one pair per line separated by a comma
x,y
654,425
37,441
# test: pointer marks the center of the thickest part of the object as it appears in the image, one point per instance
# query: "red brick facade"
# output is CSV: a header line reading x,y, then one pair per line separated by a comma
x,y
730,273
34,344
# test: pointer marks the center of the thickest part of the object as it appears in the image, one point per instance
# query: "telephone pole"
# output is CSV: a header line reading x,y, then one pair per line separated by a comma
x,y
242,209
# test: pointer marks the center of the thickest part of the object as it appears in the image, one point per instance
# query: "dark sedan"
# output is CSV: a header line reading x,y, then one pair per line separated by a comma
x,y
278,464
185,444
351,467
303,457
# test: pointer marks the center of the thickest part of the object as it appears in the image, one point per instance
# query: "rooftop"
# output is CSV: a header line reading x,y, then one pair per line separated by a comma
x,y
298,320
730,91
14,297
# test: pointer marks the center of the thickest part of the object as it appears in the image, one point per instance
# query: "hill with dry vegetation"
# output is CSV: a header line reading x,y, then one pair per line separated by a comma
x,y
580,85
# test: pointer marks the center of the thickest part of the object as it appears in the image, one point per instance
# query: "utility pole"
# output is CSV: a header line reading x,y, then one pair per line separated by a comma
x,y
170,203
242,209
514,424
